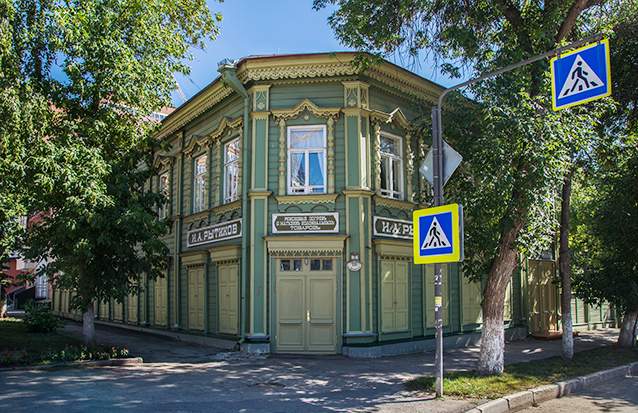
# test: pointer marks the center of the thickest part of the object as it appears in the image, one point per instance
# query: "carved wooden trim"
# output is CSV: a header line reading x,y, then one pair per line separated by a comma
x,y
225,123
305,104
394,203
377,157
307,199
409,166
282,156
331,155
217,178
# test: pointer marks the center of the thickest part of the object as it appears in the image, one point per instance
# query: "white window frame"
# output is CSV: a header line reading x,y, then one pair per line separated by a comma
x,y
164,208
230,197
394,193
307,189
204,200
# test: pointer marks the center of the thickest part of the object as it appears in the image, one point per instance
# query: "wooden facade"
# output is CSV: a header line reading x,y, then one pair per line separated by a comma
x,y
259,257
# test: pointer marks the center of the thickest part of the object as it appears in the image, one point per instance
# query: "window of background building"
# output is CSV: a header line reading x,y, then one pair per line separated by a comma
x,y
307,159
165,191
231,170
391,167
200,183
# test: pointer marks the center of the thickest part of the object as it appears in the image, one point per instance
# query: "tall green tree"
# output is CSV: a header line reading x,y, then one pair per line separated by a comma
x,y
524,159
117,58
605,239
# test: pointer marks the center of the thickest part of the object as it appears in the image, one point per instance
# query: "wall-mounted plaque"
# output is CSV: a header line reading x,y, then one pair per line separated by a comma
x,y
393,228
214,233
305,222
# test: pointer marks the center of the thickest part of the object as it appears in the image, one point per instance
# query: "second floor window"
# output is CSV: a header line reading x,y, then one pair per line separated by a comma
x,y
391,167
307,159
231,170
164,190
200,183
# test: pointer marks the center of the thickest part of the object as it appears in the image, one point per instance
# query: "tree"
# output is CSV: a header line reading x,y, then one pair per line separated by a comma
x,y
606,239
480,36
99,231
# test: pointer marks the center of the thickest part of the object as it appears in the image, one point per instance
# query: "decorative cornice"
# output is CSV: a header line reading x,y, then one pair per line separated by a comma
x,y
396,116
259,194
394,203
305,104
305,245
307,199
202,215
163,161
208,98
225,253
224,124
224,208
393,248
259,115
357,192
196,144
302,68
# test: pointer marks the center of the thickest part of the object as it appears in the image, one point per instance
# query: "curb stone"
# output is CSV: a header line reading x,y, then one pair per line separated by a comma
x,y
521,400
132,361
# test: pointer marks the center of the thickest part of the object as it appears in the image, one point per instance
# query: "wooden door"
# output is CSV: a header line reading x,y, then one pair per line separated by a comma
x,y
159,294
228,298
306,306
196,298
132,308
394,296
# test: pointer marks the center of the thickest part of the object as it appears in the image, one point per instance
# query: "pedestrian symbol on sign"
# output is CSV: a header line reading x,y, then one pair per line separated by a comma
x,y
581,75
436,237
581,79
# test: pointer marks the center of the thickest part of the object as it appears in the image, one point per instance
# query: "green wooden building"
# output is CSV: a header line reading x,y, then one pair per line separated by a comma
x,y
279,173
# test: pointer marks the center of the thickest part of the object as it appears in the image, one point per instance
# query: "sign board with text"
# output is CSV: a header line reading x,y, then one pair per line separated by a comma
x,y
214,233
323,222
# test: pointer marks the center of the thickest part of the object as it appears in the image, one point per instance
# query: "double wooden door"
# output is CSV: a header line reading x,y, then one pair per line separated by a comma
x,y
306,305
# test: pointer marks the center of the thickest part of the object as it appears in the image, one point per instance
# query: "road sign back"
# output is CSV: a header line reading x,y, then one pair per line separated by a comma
x,y
438,234
581,75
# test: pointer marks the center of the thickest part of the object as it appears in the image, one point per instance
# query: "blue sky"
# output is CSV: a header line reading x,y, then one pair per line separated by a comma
x,y
252,27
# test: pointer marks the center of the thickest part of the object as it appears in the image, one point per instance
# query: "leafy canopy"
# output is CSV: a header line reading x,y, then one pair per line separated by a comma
x,y
95,70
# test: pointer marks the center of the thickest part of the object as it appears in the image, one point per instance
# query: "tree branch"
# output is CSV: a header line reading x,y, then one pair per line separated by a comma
x,y
514,18
575,10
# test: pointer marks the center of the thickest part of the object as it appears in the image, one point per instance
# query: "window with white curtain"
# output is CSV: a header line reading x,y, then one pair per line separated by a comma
x,y
307,159
165,191
391,166
200,183
231,170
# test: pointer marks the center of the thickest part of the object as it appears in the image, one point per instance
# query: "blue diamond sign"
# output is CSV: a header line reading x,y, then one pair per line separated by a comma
x,y
581,75
438,234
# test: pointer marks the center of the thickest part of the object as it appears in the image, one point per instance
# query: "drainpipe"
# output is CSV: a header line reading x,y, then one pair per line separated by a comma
x,y
228,70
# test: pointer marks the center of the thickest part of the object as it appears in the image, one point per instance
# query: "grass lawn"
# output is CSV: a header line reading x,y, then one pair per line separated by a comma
x,y
524,376
18,346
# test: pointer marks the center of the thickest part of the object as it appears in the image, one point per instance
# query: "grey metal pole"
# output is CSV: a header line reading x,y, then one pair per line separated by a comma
x,y
437,160
438,168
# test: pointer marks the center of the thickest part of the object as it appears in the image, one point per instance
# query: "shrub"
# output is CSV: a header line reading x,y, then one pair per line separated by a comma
x,y
74,353
40,319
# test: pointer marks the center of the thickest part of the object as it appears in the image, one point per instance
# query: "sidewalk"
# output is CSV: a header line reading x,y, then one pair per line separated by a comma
x,y
274,384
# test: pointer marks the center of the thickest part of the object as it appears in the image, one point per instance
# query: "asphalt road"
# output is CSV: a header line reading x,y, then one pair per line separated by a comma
x,y
188,378
617,396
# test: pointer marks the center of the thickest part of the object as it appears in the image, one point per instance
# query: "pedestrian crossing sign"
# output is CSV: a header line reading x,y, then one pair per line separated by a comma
x,y
581,75
438,234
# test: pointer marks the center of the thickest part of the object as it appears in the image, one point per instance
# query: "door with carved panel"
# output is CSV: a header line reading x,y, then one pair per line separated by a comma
x,y
306,290
228,301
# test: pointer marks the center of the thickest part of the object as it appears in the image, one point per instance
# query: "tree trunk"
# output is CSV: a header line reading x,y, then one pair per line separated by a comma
x,y
565,270
88,326
493,332
627,336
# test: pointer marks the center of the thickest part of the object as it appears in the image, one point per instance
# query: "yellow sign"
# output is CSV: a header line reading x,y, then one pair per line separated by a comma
x,y
438,234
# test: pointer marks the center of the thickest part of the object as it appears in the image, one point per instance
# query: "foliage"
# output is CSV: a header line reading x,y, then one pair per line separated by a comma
x,y
94,70
39,318
606,234
19,346
524,376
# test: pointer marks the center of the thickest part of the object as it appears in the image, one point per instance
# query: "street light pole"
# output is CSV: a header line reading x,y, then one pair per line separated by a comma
x,y
438,181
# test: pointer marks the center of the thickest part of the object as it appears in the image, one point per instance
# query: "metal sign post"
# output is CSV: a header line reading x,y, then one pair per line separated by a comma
x,y
438,169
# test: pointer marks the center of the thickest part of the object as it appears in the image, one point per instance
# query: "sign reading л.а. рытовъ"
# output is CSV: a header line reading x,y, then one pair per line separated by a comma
x,y
305,222
214,233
